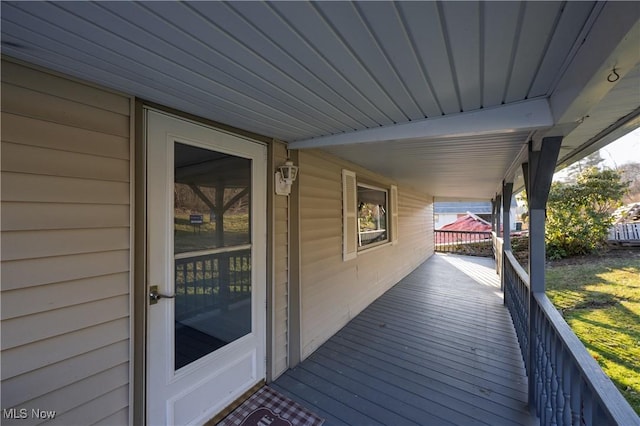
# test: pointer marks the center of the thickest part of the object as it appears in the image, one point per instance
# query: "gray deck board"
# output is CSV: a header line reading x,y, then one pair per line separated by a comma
x,y
416,368
437,349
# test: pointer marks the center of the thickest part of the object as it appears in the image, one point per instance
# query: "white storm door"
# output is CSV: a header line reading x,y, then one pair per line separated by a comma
x,y
206,285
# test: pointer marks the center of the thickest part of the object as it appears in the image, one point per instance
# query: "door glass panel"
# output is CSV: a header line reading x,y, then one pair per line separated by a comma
x,y
212,249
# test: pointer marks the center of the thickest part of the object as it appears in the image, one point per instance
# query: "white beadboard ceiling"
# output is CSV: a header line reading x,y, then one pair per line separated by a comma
x,y
442,96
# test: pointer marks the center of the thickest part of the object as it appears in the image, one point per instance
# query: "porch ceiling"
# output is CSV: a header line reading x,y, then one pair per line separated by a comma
x,y
439,95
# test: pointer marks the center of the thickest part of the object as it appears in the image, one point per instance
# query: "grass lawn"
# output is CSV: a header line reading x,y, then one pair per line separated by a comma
x,y
599,297
188,237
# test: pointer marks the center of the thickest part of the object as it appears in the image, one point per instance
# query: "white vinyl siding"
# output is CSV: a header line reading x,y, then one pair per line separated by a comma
x,y
334,291
65,248
280,281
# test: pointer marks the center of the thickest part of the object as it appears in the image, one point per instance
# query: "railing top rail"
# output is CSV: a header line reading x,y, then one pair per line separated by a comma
x,y
600,384
522,274
463,232
218,250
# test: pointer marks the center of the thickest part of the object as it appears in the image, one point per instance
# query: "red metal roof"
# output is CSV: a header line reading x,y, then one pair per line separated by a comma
x,y
468,222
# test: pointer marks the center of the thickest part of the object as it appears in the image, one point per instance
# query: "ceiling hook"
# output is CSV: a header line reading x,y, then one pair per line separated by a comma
x,y
613,76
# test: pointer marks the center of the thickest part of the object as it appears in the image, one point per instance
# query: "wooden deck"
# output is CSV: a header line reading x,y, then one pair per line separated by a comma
x,y
437,349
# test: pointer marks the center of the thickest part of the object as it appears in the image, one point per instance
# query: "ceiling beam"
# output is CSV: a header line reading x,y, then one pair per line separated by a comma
x,y
517,116
612,42
623,126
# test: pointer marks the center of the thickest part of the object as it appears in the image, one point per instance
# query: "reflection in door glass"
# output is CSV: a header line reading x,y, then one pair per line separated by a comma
x,y
212,195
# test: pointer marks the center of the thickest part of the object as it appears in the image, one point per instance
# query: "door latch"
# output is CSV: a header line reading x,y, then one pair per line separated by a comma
x,y
154,295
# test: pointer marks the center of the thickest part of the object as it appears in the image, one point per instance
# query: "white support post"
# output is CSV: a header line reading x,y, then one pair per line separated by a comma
x,y
507,190
507,193
498,205
494,236
493,214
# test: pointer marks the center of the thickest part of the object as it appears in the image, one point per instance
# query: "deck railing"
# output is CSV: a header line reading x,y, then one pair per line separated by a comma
x,y
570,386
471,243
625,234
515,283
211,281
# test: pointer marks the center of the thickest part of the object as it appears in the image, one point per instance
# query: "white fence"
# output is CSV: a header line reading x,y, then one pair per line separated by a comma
x,y
622,233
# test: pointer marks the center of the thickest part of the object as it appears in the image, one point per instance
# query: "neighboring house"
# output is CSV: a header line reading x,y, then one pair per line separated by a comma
x,y
448,212
445,213
468,222
467,228
140,145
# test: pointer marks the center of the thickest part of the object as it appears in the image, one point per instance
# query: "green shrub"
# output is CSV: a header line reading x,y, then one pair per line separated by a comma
x,y
579,214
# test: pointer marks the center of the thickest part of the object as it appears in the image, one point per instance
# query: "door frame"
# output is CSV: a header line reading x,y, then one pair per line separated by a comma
x,y
139,274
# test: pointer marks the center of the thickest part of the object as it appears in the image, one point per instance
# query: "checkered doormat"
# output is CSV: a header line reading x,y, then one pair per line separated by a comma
x,y
268,407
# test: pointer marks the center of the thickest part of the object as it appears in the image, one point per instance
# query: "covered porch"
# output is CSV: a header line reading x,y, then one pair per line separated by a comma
x,y
437,348
430,101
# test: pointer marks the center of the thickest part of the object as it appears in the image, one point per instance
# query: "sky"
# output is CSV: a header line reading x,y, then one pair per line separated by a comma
x,y
624,150
621,151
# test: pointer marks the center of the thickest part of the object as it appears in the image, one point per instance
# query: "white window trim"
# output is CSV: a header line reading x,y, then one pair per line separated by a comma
x,y
349,215
393,206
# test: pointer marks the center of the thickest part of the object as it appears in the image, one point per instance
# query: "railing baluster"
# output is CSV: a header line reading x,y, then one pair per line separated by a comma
x,y
215,277
192,288
559,375
234,276
576,397
198,265
587,408
567,372
207,283
230,277
549,372
464,242
539,363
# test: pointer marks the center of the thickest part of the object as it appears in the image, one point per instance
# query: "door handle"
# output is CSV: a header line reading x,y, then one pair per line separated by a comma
x,y
154,295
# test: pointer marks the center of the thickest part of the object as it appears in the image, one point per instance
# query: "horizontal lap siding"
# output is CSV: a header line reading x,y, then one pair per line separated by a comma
x,y
415,223
334,291
280,290
65,248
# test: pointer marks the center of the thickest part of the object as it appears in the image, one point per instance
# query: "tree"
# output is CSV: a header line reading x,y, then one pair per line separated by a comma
x,y
592,160
631,172
579,214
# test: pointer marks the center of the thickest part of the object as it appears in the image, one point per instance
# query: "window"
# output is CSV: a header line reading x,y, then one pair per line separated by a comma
x,y
369,215
372,216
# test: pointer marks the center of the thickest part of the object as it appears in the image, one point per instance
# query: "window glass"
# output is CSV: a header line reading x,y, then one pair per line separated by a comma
x,y
372,216
212,251
211,199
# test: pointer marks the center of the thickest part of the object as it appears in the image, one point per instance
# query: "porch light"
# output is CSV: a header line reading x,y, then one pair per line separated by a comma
x,y
285,176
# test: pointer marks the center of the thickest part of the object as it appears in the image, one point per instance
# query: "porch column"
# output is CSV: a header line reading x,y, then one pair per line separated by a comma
x,y
540,167
493,214
219,212
494,238
507,193
498,204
